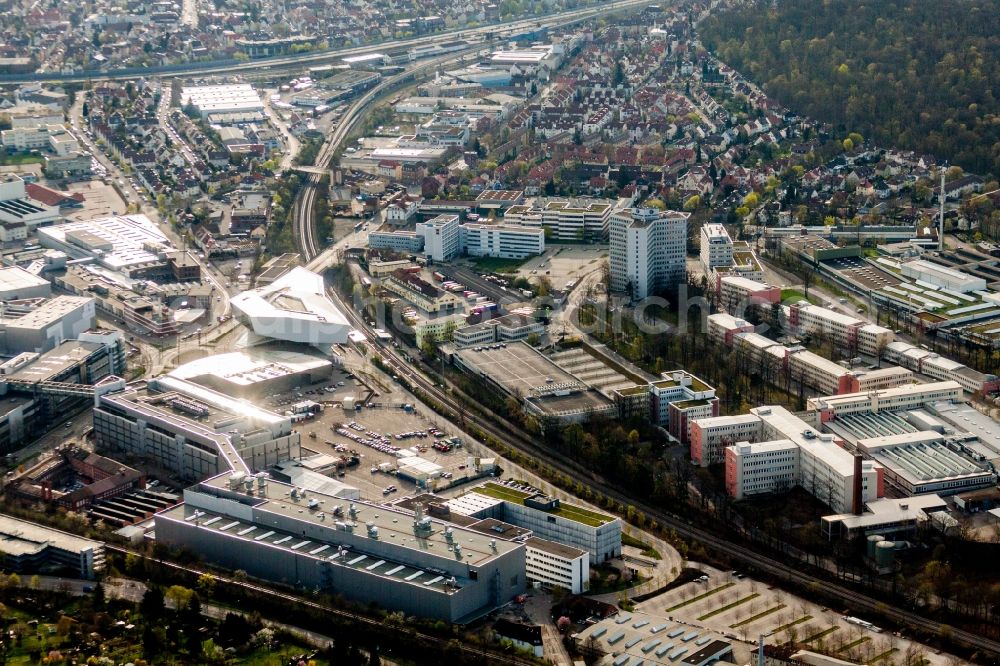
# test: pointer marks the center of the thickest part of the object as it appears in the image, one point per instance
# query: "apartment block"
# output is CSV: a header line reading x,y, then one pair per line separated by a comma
x,y
647,250
724,327
847,332
716,247
738,294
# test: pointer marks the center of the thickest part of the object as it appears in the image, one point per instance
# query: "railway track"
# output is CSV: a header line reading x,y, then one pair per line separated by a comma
x,y
304,226
801,580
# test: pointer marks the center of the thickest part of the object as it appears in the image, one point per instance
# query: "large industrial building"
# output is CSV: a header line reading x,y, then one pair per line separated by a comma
x,y
39,325
294,308
900,429
27,547
19,210
653,640
191,431
221,100
598,534
131,245
366,552
647,251
38,389
255,372
17,284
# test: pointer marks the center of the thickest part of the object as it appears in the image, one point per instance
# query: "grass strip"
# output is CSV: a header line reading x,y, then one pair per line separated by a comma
x,y
804,618
880,657
853,644
819,635
700,597
736,603
754,618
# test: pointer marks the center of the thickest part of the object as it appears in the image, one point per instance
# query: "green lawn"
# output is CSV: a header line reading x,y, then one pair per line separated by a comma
x,y
794,296
19,158
568,511
498,265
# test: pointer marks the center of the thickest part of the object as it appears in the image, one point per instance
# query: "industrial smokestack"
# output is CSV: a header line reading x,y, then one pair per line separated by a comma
x,y
857,505
944,167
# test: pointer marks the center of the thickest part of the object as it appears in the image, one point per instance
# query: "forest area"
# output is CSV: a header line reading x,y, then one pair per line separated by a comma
x,y
909,74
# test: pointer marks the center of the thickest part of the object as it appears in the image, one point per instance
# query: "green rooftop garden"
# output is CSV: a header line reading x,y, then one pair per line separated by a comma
x,y
687,404
568,511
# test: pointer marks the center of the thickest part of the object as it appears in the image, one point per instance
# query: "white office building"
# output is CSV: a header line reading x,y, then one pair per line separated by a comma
x,y
648,249
556,565
758,457
761,468
441,237
565,219
597,534
716,247
502,240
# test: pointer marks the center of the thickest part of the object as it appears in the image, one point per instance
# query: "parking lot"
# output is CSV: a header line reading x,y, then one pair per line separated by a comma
x,y
863,273
740,608
377,433
374,435
564,264
100,200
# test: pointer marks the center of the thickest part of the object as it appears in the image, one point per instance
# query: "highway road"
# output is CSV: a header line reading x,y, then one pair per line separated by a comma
x,y
500,29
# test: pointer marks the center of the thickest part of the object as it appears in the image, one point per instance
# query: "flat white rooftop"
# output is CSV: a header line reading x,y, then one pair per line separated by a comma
x,y
134,239
13,278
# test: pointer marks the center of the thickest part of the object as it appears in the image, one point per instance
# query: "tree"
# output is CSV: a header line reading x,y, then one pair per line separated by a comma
x,y
848,145
692,203
151,607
